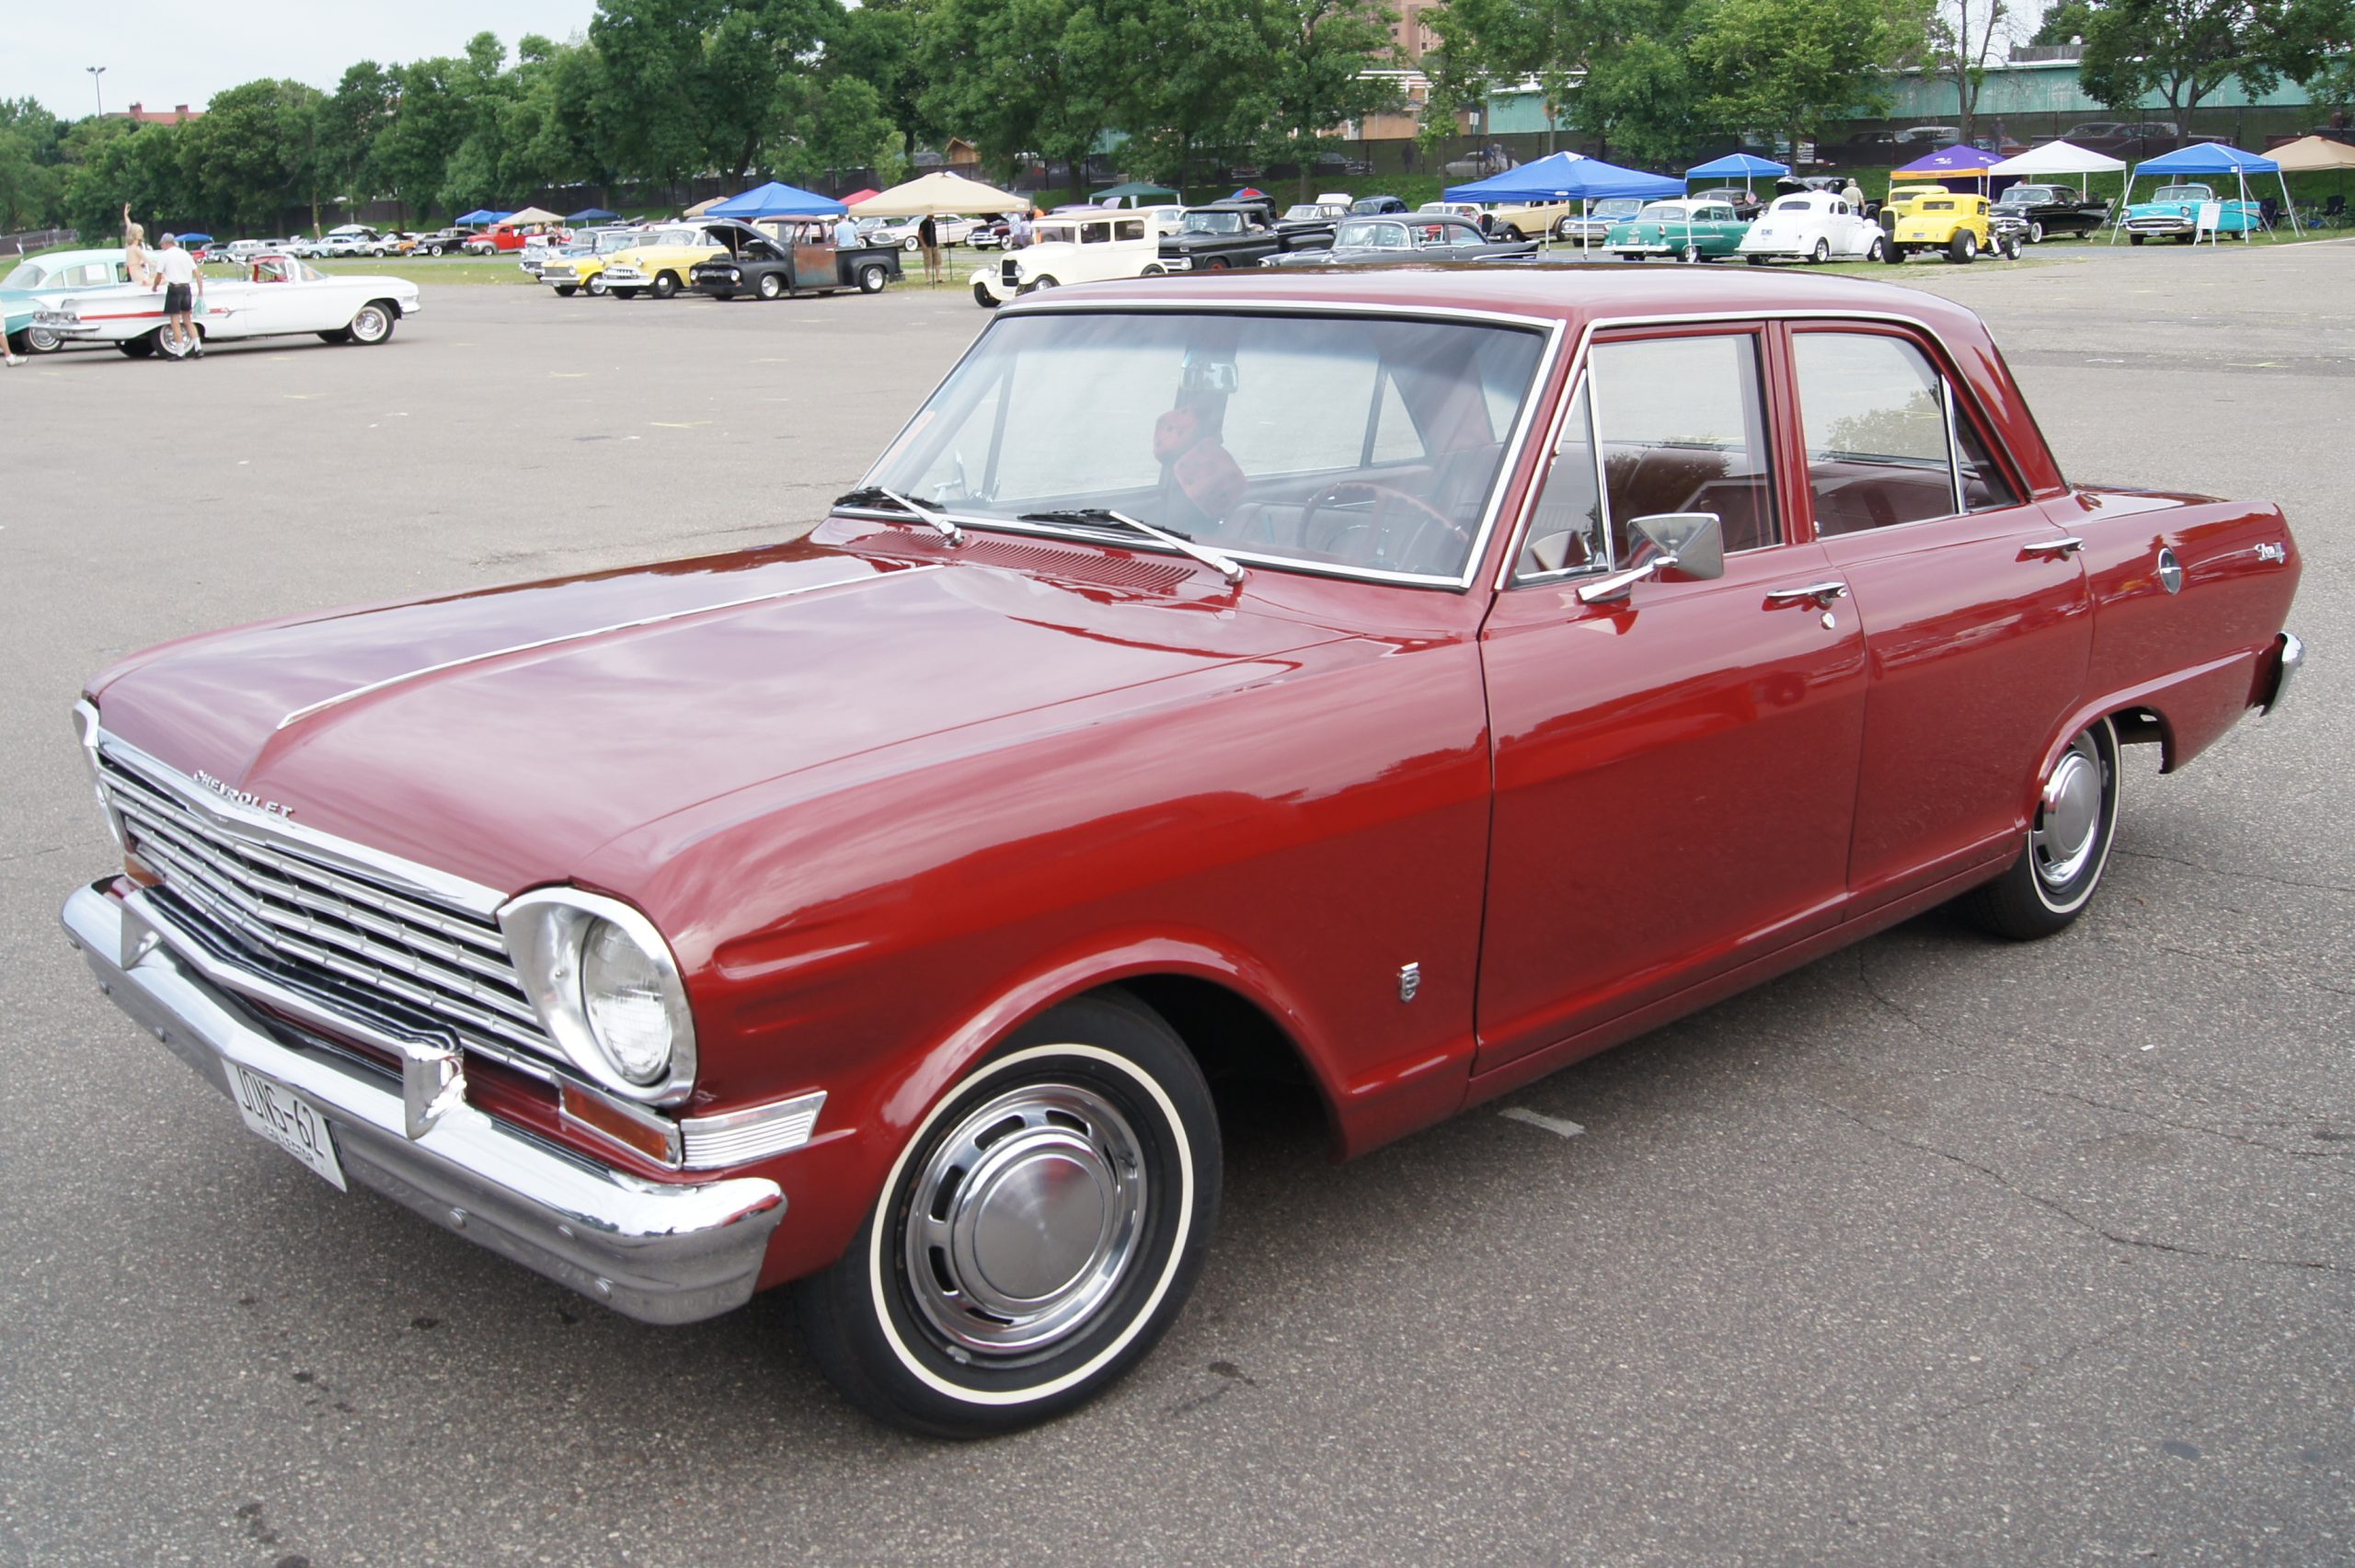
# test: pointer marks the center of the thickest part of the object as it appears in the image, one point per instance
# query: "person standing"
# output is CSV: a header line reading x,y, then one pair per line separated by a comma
x,y
845,232
176,275
137,265
1853,194
928,241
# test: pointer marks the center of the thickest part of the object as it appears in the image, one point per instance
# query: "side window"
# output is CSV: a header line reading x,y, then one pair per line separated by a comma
x,y
1875,417
1566,532
1129,228
1683,427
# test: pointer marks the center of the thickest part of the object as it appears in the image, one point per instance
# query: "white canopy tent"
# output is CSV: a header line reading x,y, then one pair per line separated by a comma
x,y
2059,158
532,215
936,193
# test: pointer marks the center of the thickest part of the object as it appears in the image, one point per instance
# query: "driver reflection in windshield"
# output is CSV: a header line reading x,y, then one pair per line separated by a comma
x,y
1201,481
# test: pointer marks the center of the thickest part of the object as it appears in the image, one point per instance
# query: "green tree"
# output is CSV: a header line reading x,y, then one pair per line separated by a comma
x,y
1965,37
653,54
1619,70
1020,77
1318,54
252,155
876,43
33,179
1791,65
2064,22
2182,51
350,119
1196,80
412,153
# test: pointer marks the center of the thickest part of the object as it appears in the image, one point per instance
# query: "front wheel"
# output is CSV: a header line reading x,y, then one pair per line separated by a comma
x,y
981,295
2035,231
1511,233
1217,264
1755,260
872,277
596,287
1879,250
2061,863
372,323
665,285
565,290
1822,251
2133,239
1040,1230
770,286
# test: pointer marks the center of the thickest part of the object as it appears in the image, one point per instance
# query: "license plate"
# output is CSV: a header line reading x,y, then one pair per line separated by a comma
x,y
288,1120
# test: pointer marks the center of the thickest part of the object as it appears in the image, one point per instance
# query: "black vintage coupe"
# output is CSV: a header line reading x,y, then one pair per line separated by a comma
x,y
2052,210
1396,241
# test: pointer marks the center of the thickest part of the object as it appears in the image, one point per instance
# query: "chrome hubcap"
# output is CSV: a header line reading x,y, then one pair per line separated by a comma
x,y
2067,826
1024,1219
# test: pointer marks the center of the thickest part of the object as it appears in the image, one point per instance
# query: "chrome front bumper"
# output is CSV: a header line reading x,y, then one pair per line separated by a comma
x,y
659,1253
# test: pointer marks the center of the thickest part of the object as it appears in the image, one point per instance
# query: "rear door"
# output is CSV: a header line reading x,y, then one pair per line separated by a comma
x,y
1675,770
1974,605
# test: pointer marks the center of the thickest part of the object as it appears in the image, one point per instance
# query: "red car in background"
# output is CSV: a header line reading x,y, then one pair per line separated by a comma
x,y
1405,683
503,237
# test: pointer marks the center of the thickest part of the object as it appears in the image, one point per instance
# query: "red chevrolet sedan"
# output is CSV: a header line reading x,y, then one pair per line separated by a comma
x,y
1409,683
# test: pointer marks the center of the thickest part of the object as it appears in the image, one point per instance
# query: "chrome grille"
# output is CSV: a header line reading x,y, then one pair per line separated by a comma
x,y
439,966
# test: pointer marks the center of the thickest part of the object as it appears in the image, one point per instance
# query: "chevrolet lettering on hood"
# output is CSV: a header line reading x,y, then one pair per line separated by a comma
x,y
242,798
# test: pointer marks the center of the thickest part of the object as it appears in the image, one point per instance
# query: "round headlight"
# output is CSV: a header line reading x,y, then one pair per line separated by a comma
x,y
622,996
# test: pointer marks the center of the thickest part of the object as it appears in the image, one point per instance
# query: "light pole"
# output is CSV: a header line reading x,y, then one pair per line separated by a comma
x,y
96,71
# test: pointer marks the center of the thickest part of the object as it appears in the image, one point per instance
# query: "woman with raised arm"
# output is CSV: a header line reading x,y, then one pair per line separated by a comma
x,y
134,251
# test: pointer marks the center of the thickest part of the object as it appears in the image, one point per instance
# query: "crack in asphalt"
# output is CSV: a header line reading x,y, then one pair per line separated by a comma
x,y
2063,1211
2244,875
2026,1380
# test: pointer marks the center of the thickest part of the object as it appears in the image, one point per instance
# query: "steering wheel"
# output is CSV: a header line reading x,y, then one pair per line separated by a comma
x,y
1409,548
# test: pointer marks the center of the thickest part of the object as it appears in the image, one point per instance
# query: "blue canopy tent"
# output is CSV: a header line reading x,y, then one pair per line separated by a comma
x,y
195,239
776,200
479,215
2208,158
591,215
1743,166
1565,177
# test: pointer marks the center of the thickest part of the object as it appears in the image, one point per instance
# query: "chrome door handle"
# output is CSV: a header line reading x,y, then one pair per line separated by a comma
x,y
2052,549
1825,595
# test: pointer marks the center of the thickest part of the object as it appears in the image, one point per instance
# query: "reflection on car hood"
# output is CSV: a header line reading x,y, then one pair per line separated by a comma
x,y
503,736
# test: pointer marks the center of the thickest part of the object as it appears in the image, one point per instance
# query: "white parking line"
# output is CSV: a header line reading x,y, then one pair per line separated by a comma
x,y
1553,1124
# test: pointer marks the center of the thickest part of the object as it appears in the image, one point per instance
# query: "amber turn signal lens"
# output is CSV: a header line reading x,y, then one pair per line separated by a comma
x,y
637,1131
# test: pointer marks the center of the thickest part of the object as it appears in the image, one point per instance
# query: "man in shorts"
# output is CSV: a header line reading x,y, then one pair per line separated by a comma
x,y
175,274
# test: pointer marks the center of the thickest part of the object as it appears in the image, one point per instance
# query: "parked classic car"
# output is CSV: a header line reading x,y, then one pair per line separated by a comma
x,y
1900,201
1312,222
793,255
1593,227
278,296
1812,226
579,269
1087,246
2173,212
1376,206
43,282
441,241
1690,230
1221,679
2047,210
1952,224
948,229
1419,237
1746,203
664,259
355,239
1221,234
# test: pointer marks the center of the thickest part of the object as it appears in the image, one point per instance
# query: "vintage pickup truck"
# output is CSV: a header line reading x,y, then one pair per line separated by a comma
x,y
1221,235
1400,682
792,255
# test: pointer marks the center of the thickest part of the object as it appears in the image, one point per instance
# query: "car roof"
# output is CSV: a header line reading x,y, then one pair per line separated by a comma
x,y
64,259
1573,293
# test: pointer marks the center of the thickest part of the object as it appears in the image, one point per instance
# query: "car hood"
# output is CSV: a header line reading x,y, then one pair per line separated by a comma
x,y
503,736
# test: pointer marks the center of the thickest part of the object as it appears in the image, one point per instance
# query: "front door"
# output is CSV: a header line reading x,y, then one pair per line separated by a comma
x,y
1675,771
1975,608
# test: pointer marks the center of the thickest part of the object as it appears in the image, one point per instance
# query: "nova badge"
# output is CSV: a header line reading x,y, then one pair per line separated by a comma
x,y
242,798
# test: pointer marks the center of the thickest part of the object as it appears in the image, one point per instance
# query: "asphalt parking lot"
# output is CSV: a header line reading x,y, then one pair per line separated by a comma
x,y
1938,1250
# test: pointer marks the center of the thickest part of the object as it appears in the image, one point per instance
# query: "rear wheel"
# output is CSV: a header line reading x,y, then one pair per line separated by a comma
x,y
1822,251
624,293
1892,254
137,348
872,277
1040,1230
1963,249
1154,270
665,285
1691,253
37,340
2061,865
769,287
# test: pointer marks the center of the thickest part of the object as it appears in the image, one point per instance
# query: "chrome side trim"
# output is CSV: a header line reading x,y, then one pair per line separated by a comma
x,y
583,635
1552,327
738,1137
660,1253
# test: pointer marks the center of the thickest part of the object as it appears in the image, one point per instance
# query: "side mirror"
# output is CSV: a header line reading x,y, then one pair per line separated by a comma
x,y
1689,544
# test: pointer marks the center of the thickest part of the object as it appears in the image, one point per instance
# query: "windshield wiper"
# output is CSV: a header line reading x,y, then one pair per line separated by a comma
x,y
876,494
1226,566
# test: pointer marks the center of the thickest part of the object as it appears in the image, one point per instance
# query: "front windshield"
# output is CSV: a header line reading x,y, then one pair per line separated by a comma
x,y
28,275
2026,195
1339,441
1211,224
1663,212
1305,210
1360,235
1619,207
2185,193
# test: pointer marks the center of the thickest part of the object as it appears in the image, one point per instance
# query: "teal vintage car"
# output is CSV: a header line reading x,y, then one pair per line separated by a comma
x,y
1687,228
40,282
2173,213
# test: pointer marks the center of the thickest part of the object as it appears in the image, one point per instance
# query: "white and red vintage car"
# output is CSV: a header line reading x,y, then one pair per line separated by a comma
x,y
278,296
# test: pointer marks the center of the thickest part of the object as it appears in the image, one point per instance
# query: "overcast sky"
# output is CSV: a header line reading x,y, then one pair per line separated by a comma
x,y
161,53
